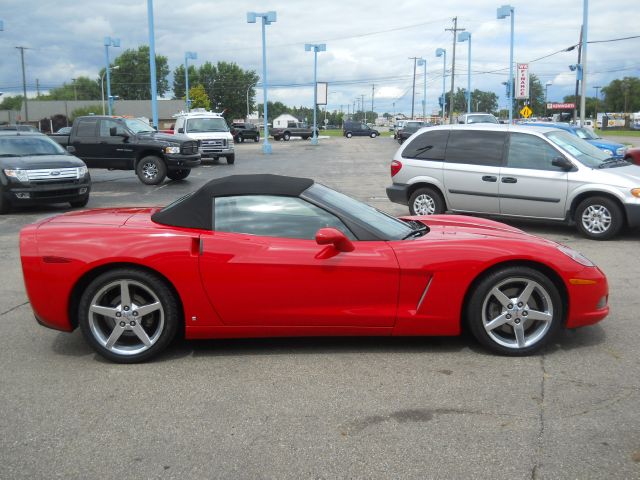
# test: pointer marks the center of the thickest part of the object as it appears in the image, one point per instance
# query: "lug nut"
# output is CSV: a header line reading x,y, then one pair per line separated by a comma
x,y
126,309
517,321
122,324
525,313
508,316
520,304
510,306
118,314
132,323
135,314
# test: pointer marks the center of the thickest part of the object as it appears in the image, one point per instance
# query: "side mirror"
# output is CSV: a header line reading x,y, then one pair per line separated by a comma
x,y
71,149
113,131
181,130
332,236
562,163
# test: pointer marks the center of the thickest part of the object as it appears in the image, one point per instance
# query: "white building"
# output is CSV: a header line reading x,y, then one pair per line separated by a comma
x,y
283,120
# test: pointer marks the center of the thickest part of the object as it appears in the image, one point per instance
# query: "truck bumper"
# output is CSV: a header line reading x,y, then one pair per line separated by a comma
x,y
181,162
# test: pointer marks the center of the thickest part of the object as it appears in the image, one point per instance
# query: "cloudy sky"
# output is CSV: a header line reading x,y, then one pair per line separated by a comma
x,y
368,43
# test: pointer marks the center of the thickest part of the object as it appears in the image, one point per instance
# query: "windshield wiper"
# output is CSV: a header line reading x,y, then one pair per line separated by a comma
x,y
609,162
420,230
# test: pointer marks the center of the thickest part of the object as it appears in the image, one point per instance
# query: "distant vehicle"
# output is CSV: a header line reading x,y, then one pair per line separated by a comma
x,y
633,155
211,130
64,131
130,144
242,131
358,129
293,129
398,126
19,128
36,170
613,149
477,117
410,127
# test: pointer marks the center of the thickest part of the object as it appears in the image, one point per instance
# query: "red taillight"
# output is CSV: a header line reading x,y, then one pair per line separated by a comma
x,y
395,167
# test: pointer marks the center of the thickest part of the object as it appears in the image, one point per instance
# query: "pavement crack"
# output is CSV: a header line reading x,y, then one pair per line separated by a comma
x,y
14,308
540,450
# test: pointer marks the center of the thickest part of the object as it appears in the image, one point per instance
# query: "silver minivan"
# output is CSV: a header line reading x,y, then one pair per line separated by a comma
x,y
527,172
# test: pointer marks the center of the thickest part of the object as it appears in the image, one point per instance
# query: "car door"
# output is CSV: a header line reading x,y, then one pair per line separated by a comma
x,y
115,151
472,166
261,266
85,141
529,184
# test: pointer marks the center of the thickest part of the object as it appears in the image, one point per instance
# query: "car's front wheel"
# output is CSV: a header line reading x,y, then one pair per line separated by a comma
x,y
514,310
426,201
151,170
240,139
599,218
349,135
256,138
128,315
374,135
286,137
231,159
179,174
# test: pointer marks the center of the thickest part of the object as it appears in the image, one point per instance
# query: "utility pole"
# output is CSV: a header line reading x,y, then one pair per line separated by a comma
x,y
37,88
575,103
373,91
75,93
24,84
583,96
413,91
595,115
363,110
455,31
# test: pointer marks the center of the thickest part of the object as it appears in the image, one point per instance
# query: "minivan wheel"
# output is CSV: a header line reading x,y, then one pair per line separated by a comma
x,y
426,201
599,218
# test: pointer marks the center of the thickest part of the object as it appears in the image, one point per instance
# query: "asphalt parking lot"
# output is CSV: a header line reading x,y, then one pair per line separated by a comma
x,y
319,408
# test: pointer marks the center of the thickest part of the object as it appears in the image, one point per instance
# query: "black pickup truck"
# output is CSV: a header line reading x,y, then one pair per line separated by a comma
x,y
130,144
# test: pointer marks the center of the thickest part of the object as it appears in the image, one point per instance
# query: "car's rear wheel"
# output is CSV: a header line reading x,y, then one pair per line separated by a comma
x,y
179,174
599,218
426,201
286,137
514,310
128,315
151,170
349,135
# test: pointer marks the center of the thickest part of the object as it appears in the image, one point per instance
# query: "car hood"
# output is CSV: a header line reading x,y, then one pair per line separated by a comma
x,y
41,161
628,176
165,137
208,135
602,143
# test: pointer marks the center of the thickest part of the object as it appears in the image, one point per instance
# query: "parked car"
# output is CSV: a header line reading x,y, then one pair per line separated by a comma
x,y
188,268
477,117
525,172
633,155
210,129
130,144
410,127
35,170
613,149
19,128
64,131
398,128
293,129
358,129
244,131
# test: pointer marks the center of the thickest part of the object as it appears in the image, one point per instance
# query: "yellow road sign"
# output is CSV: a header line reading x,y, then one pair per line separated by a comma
x,y
526,111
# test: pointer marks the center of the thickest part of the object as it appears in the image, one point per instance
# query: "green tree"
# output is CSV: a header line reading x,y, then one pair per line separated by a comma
x,y
179,80
622,95
83,88
482,101
589,104
88,110
231,88
11,103
131,81
536,95
199,98
275,110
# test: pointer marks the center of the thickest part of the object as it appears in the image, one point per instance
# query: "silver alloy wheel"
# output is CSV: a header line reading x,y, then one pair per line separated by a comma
x,y
424,205
150,170
596,219
126,317
517,312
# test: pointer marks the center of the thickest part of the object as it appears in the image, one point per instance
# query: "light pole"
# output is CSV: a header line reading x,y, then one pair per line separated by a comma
x,y
187,56
109,42
152,66
441,52
318,47
583,85
115,67
546,96
463,37
423,63
503,12
596,112
267,19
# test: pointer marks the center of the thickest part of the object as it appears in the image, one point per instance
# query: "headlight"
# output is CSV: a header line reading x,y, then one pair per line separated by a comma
x,y
82,171
21,175
607,151
171,149
576,256
621,151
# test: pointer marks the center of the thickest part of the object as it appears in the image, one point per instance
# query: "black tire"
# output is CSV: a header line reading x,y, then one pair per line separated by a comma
x,y
151,170
256,138
305,137
80,203
400,140
494,321
231,159
240,139
348,134
277,139
599,218
5,206
426,201
178,174
145,289
374,135
286,137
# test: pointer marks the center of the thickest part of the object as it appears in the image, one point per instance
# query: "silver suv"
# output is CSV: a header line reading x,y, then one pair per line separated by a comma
x,y
528,172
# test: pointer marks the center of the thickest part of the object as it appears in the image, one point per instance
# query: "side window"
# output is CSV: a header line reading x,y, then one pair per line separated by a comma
x,y
291,124
428,146
86,127
475,147
273,216
105,128
529,151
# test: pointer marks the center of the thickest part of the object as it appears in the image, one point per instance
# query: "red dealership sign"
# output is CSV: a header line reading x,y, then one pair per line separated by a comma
x,y
560,106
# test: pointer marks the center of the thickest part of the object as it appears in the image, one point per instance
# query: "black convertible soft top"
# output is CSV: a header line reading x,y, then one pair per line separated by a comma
x,y
195,210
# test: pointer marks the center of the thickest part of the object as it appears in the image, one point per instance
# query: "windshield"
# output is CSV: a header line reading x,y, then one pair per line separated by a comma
x,y
583,151
29,145
384,225
138,126
586,134
216,124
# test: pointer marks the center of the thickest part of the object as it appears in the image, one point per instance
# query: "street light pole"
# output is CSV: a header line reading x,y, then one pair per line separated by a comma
x,y
109,42
423,63
583,85
152,65
546,97
441,52
462,37
596,112
267,19
187,56
318,47
115,67
503,12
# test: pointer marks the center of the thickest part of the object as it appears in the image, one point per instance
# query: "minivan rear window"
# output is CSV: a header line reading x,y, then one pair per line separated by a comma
x,y
429,145
476,147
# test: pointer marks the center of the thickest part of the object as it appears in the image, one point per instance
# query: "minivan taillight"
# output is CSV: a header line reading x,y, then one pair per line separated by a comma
x,y
395,167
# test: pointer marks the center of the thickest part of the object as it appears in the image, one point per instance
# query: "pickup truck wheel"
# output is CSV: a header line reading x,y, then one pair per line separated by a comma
x,y
348,135
240,139
80,203
231,159
257,138
178,174
151,170
286,137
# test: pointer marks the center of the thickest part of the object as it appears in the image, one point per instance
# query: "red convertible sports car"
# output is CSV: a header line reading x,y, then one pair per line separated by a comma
x,y
268,256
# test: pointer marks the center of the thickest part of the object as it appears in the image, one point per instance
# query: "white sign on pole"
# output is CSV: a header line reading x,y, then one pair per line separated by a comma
x,y
322,92
522,79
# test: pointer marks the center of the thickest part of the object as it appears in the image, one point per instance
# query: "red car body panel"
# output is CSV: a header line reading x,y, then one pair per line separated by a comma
x,y
238,285
633,155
